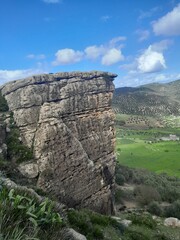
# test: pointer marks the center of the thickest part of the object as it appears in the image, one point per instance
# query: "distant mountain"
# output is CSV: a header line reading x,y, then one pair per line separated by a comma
x,y
151,100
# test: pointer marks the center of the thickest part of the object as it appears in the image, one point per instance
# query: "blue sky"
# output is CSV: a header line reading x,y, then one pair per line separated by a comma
x,y
138,40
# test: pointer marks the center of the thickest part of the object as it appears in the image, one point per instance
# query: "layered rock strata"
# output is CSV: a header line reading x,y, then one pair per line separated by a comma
x,y
66,118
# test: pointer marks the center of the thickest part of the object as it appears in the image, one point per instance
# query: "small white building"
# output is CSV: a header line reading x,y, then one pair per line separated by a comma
x,y
172,137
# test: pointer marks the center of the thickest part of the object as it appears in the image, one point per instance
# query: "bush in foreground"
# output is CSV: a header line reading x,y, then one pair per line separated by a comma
x,y
23,218
93,225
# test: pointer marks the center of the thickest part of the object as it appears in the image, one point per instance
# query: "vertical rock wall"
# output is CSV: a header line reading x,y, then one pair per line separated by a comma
x,y
66,118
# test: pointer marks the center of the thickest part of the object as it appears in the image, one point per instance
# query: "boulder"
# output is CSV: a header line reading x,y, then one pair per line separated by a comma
x,y
71,234
172,222
126,222
29,170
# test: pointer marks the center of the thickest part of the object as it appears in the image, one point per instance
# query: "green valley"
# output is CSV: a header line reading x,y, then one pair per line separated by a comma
x,y
148,127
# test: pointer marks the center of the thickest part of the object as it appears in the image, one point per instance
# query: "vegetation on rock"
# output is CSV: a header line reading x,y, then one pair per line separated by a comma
x,y
17,151
3,104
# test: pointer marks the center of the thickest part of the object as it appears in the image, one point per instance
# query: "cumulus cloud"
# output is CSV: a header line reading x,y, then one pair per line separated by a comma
x,y
52,1
151,61
9,75
67,56
115,42
108,54
169,24
112,56
93,52
143,34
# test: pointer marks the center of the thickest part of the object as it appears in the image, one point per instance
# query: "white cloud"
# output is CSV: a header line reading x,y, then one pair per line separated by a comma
x,y
52,1
115,41
162,45
67,56
143,34
112,56
151,61
37,57
108,54
169,24
93,52
8,75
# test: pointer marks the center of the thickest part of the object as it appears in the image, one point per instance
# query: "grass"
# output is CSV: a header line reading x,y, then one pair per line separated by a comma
x,y
94,225
140,232
140,148
22,218
158,157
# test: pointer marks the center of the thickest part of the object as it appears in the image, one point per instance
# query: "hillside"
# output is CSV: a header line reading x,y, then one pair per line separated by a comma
x,y
148,100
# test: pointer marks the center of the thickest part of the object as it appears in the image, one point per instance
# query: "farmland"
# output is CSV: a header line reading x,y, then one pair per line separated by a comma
x,y
138,145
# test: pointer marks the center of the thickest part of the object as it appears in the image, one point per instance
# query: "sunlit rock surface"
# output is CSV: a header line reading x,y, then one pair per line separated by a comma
x,y
66,118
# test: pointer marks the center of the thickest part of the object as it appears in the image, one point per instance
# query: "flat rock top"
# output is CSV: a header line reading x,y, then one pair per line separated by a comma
x,y
43,78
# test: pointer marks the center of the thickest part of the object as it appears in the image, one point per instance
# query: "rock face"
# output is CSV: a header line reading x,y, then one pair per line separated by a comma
x,y
66,118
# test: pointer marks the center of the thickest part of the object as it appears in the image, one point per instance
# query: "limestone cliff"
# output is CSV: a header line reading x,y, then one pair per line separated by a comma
x,y
66,118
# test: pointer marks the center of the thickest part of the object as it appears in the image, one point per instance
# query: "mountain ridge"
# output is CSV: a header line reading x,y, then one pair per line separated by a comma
x,y
153,99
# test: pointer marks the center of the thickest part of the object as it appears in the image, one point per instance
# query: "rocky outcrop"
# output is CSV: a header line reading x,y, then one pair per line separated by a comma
x,y
66,118
71,234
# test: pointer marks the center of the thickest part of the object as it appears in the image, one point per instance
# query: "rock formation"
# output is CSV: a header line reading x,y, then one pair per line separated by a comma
x,y
67,120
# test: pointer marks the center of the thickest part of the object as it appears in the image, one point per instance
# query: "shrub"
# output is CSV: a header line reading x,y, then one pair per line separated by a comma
x,y
173,210
118,196
82,221
144,219
135,235
123,173
23,218
155,208
92,224
16,150
120,179
3,104
3,164
146,194
161,236
168,187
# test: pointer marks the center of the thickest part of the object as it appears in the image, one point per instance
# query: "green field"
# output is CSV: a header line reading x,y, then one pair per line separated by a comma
x,y
141,149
